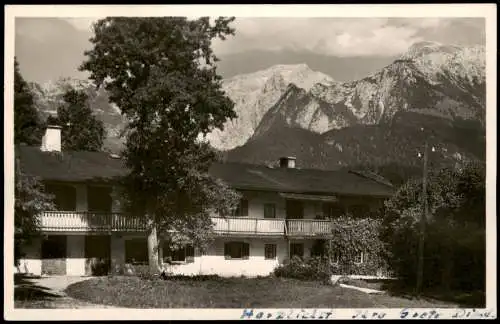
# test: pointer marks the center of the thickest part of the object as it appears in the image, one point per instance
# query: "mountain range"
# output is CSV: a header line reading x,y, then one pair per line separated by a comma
x,y
446,81
433,92
377,120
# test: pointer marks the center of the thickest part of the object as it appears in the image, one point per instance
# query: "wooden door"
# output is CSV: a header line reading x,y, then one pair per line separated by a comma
x,y
97,254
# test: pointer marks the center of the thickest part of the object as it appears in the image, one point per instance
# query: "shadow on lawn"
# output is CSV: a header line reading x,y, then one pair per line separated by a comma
x,y
476,299
25,289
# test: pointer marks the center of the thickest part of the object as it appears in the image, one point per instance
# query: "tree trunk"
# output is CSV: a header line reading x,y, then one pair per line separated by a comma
x,y
160,252
154,267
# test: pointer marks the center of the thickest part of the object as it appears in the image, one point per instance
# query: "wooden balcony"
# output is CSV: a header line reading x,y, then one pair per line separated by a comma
x,y
308,227
72,221
249,226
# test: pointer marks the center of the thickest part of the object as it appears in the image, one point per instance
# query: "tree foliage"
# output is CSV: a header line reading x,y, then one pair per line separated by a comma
x,y
81,130
160,72
455,233
28,127
30,201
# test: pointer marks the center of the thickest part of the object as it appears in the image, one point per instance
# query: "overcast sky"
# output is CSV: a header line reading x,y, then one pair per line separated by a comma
x,y
48,48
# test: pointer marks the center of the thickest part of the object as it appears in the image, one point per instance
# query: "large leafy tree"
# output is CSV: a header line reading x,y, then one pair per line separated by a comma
x,y
161,73
81,130
455,243
28,127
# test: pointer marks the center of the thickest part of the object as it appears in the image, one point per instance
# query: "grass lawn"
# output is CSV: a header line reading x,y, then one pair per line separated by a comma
x,y
469,299
135,292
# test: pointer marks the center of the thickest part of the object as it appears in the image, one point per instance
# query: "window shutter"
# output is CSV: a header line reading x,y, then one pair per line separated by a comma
x,y
226,251
244,207
246,251
189,254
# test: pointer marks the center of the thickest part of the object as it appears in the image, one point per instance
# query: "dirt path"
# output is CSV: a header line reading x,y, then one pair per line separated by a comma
x,y
48,292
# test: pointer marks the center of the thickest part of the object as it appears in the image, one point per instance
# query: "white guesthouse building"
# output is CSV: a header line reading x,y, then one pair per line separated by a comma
x,y
284,211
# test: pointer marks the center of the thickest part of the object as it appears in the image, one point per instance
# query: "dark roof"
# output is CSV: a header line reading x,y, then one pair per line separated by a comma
x,y
76,166
258,177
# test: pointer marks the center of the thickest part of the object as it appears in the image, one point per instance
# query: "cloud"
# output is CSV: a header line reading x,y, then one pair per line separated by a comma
x,y
343,37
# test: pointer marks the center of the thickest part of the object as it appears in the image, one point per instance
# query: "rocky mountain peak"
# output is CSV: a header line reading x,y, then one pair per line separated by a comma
x,y
420,49
274,83
431,78
255,93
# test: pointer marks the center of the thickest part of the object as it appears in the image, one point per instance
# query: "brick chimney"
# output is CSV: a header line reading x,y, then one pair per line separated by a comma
x,y
51,141
287,162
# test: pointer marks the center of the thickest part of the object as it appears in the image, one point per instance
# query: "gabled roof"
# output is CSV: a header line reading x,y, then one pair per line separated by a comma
x,y
79,166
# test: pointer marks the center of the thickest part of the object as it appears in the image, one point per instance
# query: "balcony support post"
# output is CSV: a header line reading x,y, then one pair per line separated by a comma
x,y
289,248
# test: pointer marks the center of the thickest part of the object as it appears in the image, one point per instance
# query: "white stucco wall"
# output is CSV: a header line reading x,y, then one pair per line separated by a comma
x,y
256,201
75,255
213,261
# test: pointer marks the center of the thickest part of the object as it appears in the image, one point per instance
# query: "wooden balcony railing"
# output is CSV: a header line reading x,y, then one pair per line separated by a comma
x,y
240,225
308,227
72,221
88,221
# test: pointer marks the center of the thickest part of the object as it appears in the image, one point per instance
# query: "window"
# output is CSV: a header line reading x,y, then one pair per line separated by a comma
x,y
236,250
269,211
184,254
242,209
54,247
294,209
361,257
99,199
270,251
318,248
359,210
297,249
64,196
335,257
332,210
136,251
365,257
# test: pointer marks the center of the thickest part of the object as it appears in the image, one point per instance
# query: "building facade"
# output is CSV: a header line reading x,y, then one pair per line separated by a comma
x,y
284,211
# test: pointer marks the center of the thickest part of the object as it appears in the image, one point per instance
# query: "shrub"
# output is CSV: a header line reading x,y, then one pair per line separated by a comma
x,y
193,278
314,268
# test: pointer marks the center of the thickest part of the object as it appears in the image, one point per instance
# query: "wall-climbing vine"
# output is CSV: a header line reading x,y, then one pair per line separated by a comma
x,y
355,247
